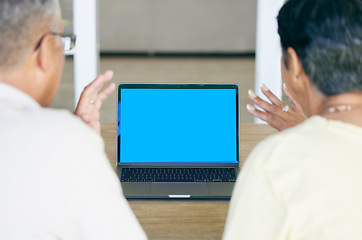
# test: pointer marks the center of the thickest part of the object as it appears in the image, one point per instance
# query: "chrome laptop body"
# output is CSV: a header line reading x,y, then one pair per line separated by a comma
x,y
175,130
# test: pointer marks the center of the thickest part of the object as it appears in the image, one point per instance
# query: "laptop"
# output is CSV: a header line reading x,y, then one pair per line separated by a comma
x,y
178,141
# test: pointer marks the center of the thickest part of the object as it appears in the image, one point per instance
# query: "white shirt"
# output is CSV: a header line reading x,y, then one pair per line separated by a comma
x,y
55,179
302,183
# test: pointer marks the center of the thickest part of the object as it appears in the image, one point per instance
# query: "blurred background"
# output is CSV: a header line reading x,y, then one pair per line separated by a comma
x,y
170,41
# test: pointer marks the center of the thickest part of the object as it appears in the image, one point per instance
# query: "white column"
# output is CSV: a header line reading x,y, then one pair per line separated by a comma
x,y
268,50
86,52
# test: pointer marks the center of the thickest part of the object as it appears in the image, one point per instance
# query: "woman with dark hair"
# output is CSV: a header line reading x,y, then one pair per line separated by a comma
x,y
306,182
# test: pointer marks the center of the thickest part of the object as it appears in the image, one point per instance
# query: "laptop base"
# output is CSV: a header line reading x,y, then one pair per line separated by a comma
x,y
176,190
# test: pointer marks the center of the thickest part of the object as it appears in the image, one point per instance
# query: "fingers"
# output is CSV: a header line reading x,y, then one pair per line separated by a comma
x,y
256,113
273,120
103,95
98,83
108,74
295,104
273,112
274,99
266,106
92,99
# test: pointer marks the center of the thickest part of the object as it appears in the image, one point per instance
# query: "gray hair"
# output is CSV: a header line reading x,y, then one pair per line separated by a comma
x,y
22,23
327,37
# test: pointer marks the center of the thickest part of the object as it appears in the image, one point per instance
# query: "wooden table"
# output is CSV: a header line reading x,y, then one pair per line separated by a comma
x,y
181,219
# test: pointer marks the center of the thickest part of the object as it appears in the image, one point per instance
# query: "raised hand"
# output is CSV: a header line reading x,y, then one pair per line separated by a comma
x,y
277,113
92,99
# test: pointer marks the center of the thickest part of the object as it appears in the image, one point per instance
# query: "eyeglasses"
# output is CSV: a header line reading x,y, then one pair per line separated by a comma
x,y
67,39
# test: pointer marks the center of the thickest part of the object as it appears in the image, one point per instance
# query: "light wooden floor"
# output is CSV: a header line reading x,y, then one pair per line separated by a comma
x,y
164,70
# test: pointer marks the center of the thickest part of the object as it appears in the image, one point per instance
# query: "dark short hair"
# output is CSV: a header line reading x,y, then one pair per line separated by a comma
x,y
327,37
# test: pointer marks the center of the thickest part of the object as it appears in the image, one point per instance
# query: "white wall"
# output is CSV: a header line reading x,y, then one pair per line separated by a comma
x,y
174,25
177,25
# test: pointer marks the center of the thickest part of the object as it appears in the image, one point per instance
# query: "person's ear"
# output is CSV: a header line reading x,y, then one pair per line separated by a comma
x,y
294,64
44,54
42,69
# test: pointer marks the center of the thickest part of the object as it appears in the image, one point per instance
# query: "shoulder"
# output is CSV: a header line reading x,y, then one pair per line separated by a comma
x,y
76,149
293,173
61,118
63,136
297,155
291,141
310,138
62,124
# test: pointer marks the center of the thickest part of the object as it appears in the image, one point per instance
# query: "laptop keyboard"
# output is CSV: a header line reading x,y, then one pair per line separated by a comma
x,y
178,175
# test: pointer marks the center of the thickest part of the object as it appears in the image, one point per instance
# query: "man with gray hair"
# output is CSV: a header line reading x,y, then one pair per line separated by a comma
x,y
55,179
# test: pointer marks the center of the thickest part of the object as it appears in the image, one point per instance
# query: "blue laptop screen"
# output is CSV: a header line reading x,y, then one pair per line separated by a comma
x,y
177,126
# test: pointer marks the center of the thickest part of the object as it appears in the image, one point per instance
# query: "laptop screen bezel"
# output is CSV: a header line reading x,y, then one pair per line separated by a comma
x,y
180,86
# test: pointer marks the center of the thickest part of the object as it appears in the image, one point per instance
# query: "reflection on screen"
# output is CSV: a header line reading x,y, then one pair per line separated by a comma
x,y
177,125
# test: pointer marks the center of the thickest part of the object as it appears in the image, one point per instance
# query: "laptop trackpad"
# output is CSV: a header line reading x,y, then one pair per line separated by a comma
x,y
179,189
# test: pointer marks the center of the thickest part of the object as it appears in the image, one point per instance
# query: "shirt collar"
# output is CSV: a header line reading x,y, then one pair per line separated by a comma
x,y
14,97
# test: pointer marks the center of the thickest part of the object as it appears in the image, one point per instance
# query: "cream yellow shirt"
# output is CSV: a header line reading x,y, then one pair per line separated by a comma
x,y
55,179
302,183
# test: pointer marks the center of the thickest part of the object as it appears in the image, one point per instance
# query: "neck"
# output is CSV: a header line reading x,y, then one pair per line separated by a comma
x,y
14,78
22,80
345,107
